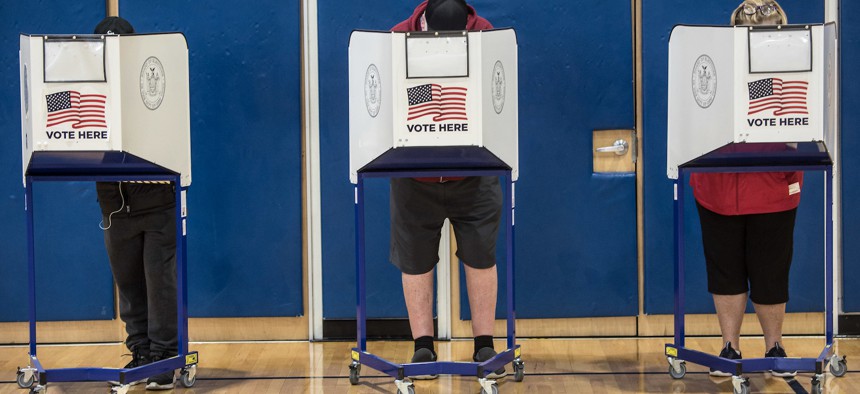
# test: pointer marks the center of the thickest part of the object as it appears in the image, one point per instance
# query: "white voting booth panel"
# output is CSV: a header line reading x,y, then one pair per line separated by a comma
x,y
107,93
749,84
432,89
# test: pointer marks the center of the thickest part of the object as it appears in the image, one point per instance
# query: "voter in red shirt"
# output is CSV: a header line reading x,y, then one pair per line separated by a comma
x,y
419,206
747,224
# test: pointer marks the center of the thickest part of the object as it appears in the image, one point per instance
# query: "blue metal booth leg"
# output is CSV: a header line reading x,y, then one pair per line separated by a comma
x,y
36,377
402,372
677,354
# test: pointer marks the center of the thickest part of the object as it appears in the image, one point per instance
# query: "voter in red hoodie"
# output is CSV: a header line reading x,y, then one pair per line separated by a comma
x,y
419,206
747,224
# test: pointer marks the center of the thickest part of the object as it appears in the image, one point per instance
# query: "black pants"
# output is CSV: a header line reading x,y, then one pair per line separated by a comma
x,y
749,253
142,252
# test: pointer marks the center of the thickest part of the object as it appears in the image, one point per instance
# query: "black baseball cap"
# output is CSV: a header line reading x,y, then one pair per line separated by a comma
x,y
446,14
114,25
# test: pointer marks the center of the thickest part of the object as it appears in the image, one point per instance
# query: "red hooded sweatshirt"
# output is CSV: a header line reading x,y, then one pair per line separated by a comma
x,y
473,23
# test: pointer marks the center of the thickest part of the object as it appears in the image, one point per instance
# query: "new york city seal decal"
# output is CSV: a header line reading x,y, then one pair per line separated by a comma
x,y
704,81
152,83
497,87
372,91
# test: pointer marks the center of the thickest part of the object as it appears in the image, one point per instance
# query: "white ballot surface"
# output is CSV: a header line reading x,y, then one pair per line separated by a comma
x,y
422,89
107,93
749,84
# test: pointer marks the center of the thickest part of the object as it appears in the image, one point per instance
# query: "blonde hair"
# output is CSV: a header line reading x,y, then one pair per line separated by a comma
x,y
777,18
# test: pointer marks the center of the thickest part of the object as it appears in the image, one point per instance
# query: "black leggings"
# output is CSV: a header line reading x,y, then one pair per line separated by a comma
x,y
749,253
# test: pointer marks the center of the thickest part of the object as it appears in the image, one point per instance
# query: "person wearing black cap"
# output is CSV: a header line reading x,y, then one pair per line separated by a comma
x,y
419,206
140,237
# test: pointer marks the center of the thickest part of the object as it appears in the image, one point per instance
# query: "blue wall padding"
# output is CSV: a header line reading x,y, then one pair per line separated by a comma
x,y
850,45
384,291
73,277
245,212
244,226
806,283
570,84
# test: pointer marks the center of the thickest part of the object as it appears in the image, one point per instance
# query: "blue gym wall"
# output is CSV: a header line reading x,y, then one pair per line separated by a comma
x,y
66,214
806,287
244,205
850,89
244,224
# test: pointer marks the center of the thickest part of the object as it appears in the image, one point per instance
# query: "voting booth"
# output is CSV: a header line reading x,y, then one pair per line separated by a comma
x,y
92,93
750,84
752,99
106,108
433,104
432,89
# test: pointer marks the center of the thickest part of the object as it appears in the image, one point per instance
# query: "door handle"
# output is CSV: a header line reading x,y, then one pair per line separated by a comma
x,y
619,147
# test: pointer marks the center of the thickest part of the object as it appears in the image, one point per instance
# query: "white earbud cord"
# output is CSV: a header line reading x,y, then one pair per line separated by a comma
x,y
101,223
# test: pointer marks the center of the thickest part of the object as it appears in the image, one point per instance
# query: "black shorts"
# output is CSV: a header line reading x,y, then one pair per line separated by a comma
x,y
418,210
749,253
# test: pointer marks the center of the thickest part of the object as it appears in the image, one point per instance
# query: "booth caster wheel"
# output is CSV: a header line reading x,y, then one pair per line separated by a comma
x,y
838,366
817,381
488,386
121,389
25,379
519,370
38,389
404,386
677,368
188,376
816,386
354,373
494,389
740,385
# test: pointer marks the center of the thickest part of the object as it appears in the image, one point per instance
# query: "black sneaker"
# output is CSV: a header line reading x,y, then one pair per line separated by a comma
x,y
162,381
727,353
778,351
138,359
424,355
485,354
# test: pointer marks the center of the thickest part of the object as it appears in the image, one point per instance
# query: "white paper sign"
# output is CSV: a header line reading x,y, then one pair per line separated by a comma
x,y
80,60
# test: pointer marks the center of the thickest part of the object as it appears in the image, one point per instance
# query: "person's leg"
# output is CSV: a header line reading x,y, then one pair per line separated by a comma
x,y
724,247
124,245
416,222
160,265
771,240
482,286
474,207
418,292
771,317
730,313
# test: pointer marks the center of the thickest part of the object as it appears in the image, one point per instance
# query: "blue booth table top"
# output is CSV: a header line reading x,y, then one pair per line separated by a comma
x,y
746,155
429,158
77,163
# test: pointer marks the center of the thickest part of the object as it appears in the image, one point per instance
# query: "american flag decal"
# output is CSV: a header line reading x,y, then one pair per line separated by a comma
x,y
443,103
783,97
81,110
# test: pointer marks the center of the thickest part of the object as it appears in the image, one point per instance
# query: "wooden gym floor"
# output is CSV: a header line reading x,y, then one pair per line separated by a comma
x,y
609,365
